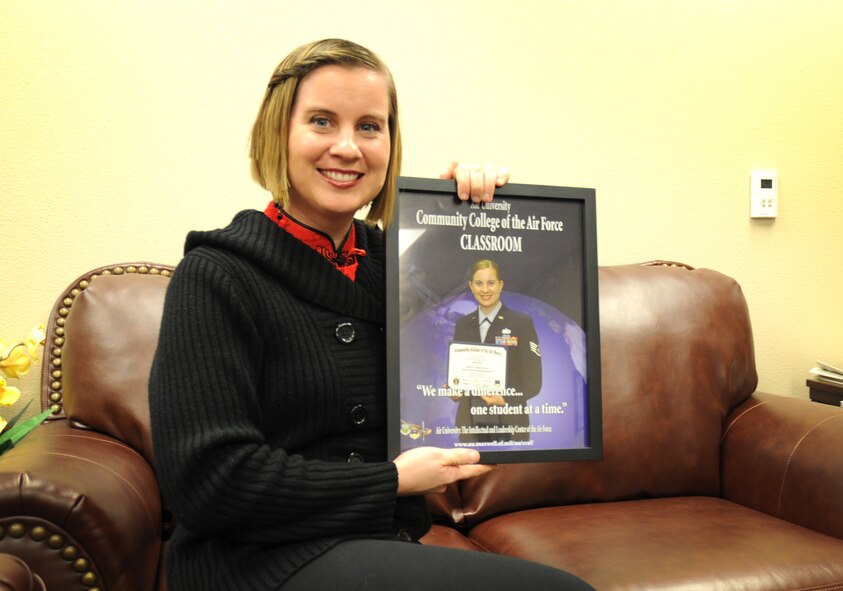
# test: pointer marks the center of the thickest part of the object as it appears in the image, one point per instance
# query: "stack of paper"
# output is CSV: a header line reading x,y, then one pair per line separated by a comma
x,y
828,373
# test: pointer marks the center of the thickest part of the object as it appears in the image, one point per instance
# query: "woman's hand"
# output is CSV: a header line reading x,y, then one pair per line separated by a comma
x,y
476,181
424,470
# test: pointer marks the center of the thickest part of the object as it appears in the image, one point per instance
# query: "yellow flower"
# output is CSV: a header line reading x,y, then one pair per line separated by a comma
x,y
34,340
15,360
8,396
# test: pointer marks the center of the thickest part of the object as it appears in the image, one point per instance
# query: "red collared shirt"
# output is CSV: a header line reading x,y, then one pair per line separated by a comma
x,y
344,258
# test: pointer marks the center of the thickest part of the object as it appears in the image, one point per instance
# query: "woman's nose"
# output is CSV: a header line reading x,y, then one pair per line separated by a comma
x,y
345,146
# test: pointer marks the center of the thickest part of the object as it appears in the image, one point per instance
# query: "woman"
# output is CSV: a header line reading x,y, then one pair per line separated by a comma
x,y
495,323
267,394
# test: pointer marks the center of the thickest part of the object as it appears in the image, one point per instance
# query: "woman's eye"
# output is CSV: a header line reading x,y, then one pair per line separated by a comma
x,y
370,127
320,121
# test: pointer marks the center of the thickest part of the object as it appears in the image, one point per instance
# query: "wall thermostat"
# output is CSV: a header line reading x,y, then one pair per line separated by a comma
x,y
764,194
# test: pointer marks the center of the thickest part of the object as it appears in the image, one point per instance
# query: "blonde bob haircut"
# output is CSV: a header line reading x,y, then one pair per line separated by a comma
x,y
268,150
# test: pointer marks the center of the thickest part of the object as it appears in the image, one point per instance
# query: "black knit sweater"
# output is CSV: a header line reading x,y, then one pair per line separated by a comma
x,y
268,407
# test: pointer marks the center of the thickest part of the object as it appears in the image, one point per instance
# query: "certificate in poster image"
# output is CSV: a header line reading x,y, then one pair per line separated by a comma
x,y
492,323
476,368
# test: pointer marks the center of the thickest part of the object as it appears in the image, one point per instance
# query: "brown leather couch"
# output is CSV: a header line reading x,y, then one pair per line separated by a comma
x,y
15,575
704,484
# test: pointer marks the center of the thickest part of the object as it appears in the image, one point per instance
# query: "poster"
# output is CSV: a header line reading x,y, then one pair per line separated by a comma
x,y
492,320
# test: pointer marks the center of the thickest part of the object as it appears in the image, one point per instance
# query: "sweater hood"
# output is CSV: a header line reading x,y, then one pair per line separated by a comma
x,y
255,239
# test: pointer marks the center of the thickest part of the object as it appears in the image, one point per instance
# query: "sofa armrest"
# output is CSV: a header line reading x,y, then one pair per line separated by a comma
x,y
15,574
81,509
781,456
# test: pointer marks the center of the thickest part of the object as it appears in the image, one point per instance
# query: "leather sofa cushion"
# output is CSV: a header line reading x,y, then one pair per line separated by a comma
x,y
668,544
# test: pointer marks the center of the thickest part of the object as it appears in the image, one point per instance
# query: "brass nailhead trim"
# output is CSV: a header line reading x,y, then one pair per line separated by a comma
x,y
55,541
70,553
16,530
56,396
89,579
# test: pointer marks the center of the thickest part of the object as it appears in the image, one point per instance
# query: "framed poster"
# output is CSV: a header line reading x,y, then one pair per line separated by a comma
x,y
493,339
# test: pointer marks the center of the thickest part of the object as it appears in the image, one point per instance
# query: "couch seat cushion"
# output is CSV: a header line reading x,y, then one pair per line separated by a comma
x,y
674,543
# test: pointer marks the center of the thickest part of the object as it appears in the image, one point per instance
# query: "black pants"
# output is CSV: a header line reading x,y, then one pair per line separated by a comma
x,y
378,565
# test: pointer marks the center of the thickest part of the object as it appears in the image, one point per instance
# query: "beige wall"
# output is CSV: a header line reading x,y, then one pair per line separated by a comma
x,y
125,124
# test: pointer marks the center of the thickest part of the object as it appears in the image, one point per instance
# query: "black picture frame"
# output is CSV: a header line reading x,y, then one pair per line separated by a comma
x,y
543,239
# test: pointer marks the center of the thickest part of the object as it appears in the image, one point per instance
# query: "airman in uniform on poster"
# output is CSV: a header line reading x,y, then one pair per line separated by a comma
x,y
494,323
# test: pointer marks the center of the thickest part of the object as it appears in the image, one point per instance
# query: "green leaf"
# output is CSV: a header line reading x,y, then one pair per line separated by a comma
x,y
13,422
10,437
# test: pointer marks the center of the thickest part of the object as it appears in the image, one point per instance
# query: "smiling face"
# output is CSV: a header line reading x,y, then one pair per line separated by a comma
x,y
486,287
337,147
